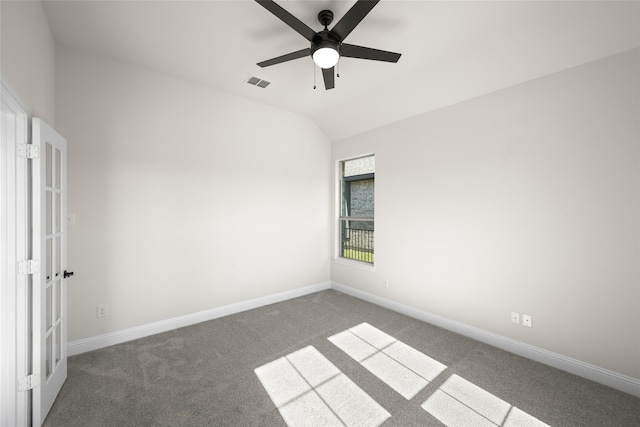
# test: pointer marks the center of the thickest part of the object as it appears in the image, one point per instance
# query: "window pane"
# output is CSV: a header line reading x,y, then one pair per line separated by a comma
x,y
357,240
362,198
346,197
361,166
358,189
357,201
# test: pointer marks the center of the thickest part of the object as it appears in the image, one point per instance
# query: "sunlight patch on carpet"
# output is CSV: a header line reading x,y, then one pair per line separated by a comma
x,y
459,402
309,390
401,367
519,418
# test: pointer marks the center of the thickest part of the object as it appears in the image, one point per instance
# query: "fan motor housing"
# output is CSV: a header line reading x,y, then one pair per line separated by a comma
x,y
325,39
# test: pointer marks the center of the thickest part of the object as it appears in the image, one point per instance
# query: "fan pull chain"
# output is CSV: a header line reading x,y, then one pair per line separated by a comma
x,y
314,76
338,68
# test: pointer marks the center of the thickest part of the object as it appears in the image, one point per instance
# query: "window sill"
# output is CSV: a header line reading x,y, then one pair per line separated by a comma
x,y
356,264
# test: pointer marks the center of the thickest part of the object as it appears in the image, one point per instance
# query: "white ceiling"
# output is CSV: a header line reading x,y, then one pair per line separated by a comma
x,y
451,50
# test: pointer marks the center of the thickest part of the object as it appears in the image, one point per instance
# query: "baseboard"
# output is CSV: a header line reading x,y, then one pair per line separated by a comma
x,y
609,378
101,341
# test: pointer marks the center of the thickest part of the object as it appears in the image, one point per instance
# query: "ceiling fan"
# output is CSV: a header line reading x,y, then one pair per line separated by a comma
x,y
327,45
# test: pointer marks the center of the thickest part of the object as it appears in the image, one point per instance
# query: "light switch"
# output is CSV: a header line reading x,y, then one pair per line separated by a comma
x,y
71,219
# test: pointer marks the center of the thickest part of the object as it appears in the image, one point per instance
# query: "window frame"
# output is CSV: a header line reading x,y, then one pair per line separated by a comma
x,y
339,217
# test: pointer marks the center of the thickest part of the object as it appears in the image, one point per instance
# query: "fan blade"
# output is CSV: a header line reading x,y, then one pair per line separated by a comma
x,y
284,58
353,51
353,17
329,78
288,18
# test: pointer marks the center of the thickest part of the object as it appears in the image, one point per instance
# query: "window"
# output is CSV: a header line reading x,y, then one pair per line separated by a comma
x,y
357,203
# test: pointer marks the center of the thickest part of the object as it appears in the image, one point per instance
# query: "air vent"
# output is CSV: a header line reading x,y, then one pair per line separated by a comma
x,y
258,82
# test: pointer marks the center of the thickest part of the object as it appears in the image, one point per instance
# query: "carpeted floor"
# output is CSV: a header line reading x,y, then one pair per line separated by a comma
x,y
208,375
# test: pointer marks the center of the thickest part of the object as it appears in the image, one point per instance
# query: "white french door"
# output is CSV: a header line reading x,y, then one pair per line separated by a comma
x,y
49,240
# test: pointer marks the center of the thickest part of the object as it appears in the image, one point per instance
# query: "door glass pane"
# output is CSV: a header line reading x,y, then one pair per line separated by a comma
x,y
58,258
48,357
49,254
58,343
48,165
58,212
58,293
48,213
48,309
56,169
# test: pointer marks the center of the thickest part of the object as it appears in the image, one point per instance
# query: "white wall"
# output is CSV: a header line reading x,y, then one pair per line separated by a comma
x,y
526,200
186,198
27,55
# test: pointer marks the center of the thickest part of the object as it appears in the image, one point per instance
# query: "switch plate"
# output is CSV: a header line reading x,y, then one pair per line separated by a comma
x,y
515,317
71,219
526,320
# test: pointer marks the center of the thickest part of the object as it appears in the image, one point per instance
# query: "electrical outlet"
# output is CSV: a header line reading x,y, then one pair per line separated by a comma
x,y
526,320
102,310
515,317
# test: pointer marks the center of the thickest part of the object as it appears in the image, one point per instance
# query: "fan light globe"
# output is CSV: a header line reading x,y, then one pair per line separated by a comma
x,y
326,57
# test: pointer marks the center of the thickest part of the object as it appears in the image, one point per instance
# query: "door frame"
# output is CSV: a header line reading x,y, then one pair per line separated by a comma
x,y
15,301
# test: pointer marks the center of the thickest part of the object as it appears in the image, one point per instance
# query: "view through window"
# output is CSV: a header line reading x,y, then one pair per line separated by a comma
x,y
357,209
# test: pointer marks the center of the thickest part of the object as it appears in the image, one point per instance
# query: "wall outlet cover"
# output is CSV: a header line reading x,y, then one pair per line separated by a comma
x,y
102,310
515,317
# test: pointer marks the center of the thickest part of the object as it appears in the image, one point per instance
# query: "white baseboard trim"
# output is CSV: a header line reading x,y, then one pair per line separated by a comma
x,y
105,340
609,378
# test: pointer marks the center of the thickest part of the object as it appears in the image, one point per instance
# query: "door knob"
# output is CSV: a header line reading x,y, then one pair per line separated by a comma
x,y
67,274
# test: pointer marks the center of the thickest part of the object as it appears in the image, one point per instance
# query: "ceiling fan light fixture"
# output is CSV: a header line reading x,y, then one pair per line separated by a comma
x,y
326,57
327,45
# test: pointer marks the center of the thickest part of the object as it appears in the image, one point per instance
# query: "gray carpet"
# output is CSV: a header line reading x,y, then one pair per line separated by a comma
x,y
203,375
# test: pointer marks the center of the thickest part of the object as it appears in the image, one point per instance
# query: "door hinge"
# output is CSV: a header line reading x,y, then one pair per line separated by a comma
x,y
29,266
28,151
29,382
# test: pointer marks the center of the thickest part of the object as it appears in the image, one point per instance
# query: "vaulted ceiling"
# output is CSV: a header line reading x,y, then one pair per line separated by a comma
x,y
451,50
